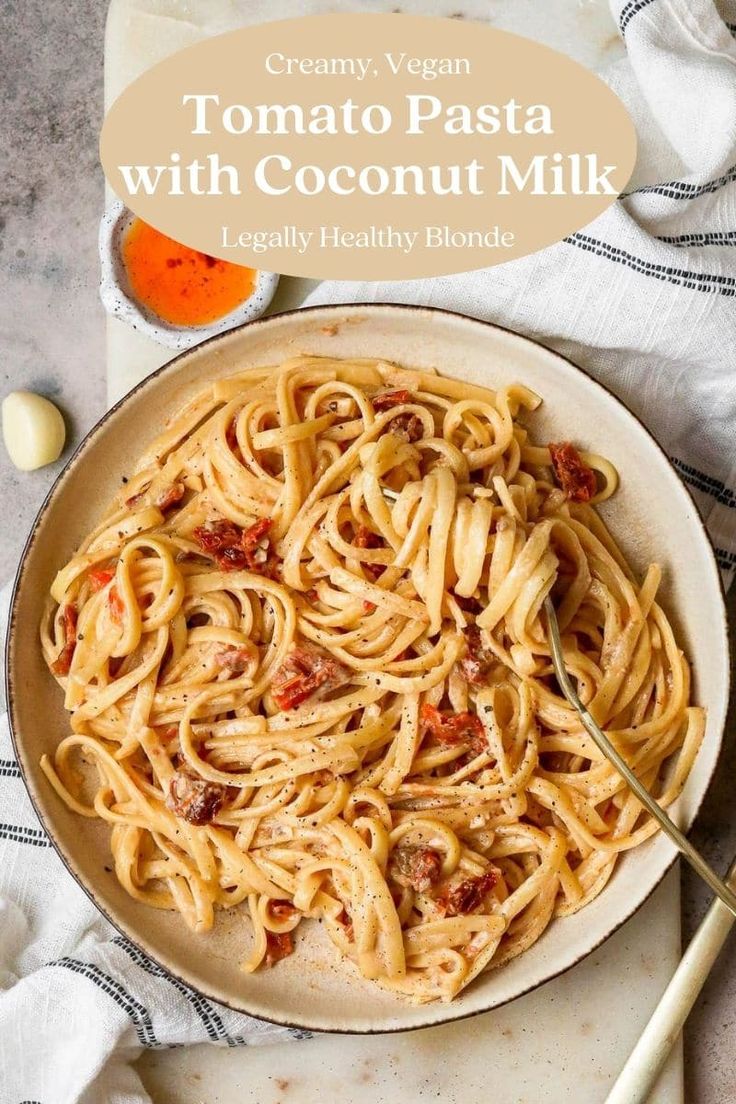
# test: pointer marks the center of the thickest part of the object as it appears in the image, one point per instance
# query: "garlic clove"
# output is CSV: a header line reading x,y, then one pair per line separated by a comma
x,y
33,430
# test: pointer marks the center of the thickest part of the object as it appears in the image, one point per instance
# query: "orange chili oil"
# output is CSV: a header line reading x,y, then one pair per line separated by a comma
x,y
181,285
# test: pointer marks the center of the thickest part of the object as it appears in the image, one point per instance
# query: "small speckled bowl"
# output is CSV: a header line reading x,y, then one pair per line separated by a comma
x,y
120,302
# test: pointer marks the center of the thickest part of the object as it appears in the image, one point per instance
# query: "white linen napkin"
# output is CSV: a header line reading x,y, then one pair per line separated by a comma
x,y
644,298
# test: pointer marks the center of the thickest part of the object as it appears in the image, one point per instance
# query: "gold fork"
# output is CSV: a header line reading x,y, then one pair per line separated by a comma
x,y
696,860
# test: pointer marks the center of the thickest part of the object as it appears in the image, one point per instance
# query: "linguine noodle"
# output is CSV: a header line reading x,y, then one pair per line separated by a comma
x,y
305,654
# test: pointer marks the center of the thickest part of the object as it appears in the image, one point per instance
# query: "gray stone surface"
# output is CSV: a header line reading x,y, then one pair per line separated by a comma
x,y
52,341
51,189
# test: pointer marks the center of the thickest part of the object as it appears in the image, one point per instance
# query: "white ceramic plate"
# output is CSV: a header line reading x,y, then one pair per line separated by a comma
x,y
652,515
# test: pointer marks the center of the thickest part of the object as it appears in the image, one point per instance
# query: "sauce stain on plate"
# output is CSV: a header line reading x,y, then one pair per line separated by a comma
x,y
181,285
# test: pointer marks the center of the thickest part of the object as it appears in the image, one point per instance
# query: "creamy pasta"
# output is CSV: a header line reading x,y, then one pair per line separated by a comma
x,y
304,651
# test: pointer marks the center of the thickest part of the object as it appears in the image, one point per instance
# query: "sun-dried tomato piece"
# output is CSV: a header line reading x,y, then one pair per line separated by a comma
x,y
194,799
297,690
99,577
63,662
218,534
577,480
221,539
478,660
306,671
137,498
468,895
278,945
281,909
253,537
366,538
409,427
387,399
235,549
450,729
416,867
115,605
235,659
170,496
259,555
167,733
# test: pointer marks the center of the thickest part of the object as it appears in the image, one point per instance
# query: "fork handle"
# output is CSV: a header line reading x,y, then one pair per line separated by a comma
x,y
639,1075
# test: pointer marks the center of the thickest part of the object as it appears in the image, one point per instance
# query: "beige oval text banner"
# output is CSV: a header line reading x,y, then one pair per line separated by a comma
x,y
361,146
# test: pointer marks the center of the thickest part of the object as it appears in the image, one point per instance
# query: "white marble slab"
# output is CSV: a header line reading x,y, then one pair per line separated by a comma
x,y
564,1043
143,32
